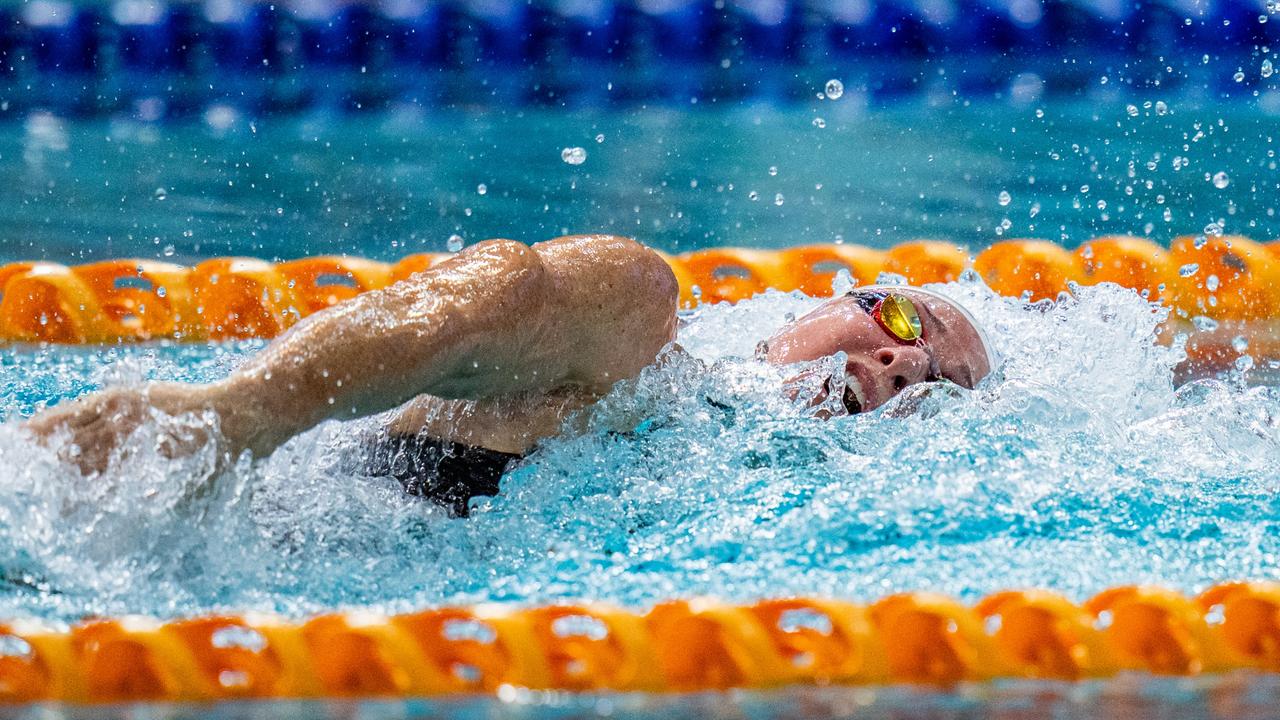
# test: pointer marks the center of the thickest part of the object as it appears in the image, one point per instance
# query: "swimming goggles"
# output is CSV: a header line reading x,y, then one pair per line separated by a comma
x,y
893,312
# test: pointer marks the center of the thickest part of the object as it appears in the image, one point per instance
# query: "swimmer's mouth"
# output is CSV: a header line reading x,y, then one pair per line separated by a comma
x,y
852,396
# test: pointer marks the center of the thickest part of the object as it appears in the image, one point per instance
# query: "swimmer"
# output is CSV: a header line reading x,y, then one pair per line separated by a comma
x,y
487,352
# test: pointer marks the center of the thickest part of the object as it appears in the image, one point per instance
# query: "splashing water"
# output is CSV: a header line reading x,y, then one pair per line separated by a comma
x,y
1077,465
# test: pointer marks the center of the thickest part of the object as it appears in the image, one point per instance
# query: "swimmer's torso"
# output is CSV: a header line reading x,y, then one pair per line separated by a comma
x,y
508,424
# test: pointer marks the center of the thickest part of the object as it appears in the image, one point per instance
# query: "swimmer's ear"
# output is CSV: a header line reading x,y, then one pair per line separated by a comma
x,y
923,400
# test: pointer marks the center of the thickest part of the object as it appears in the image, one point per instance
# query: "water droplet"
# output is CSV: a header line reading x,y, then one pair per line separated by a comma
x,y
834,89
1189,269
573,155
778,199
1267,69
1211,283
455,243
1221,180
1204,323
819,123
482,189
1004,198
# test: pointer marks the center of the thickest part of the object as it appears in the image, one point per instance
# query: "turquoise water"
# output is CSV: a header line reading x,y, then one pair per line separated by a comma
x,y
1078,466
1142,161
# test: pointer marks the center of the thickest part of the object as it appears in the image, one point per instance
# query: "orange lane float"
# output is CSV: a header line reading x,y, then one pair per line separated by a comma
x,y
1133,262
1248,616
411,264
1228,280
243,298
679,646
1033,268
319,282
730,274
926,261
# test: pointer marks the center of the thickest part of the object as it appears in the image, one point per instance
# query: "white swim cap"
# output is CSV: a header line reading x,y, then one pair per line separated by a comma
x,y
993,358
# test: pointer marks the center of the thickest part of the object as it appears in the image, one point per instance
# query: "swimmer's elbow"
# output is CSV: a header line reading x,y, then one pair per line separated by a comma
x,y
666,288
494,278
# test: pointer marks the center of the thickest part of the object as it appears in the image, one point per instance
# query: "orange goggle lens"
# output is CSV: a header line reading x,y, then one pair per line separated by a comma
x,y
898,315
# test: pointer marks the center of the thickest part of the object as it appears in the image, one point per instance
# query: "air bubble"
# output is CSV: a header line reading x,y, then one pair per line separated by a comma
x,y
1004,198
819,122
455,243
778,199
573,155
1267,69
1221,180
482,189
1211,283
1204,323
1189,269
834,89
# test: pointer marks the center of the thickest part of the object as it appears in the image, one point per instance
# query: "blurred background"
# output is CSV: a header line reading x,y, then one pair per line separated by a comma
x,y
180,130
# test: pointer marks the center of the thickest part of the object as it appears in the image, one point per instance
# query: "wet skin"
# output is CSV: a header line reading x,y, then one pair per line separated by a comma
x,y
494,347
879,365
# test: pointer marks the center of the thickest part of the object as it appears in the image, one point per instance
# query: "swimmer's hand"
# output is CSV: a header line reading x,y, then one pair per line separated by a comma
x,y
96,426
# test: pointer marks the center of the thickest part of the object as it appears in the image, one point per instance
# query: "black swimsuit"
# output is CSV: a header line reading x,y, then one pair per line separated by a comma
x,y
447,473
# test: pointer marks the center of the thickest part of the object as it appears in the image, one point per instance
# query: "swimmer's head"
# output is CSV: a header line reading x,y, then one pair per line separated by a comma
x,y
886,347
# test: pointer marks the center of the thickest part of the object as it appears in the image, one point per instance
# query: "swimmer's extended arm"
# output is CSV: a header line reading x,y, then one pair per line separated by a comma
x,y
499,317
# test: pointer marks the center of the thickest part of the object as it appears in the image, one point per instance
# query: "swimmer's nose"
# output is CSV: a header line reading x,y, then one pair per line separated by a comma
x,y
902,365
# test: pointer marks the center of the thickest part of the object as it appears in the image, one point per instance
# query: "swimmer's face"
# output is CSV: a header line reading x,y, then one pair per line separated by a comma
x,y
879,364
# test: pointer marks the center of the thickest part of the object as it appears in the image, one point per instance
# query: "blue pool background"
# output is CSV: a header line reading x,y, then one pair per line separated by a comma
x,y
1032,163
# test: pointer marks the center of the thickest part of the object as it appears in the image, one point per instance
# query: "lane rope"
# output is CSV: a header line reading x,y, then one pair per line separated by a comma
x,y
1227,279
683,645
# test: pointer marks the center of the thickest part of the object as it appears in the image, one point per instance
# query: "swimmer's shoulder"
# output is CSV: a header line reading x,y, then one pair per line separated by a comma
x,y
612,267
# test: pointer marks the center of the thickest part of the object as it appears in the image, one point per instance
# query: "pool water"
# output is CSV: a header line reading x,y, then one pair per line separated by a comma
x,y
1077,466
1080,464
936,164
